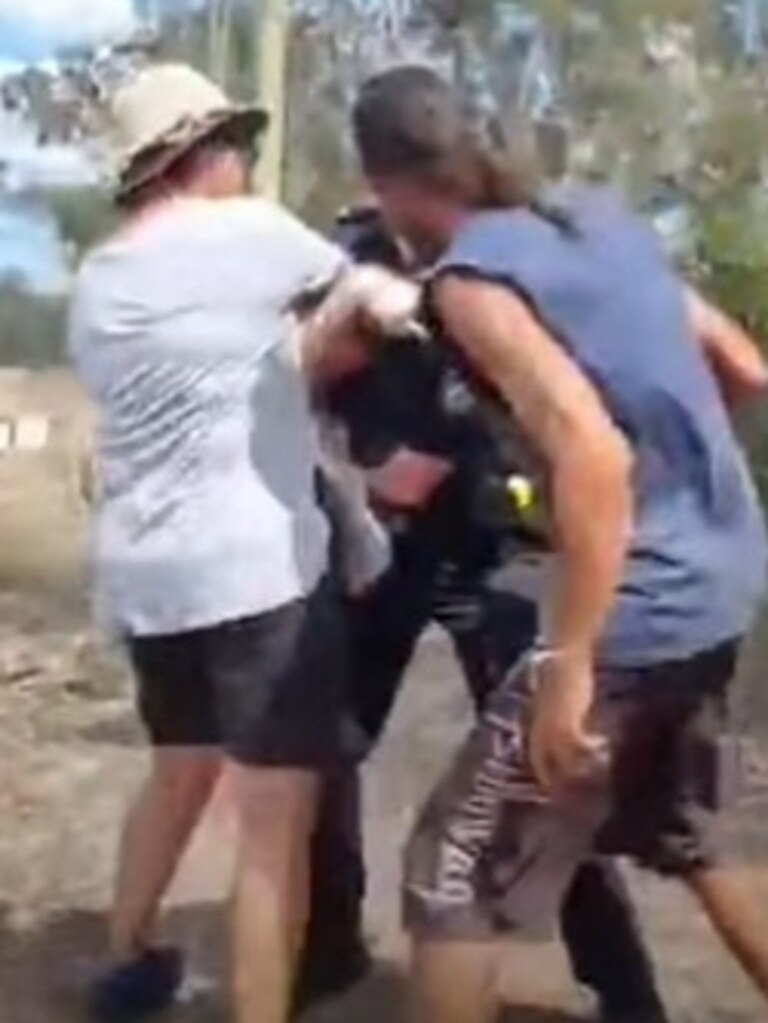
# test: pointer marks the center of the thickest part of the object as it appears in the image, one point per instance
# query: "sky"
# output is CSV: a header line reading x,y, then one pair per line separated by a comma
x,y
33,30
30,248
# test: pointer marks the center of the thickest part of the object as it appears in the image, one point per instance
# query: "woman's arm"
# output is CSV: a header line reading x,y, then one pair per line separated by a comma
x,y
734,356
333,345
365,305
588,466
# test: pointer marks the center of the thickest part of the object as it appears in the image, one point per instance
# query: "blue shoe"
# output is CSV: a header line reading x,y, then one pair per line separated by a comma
x,y
139,988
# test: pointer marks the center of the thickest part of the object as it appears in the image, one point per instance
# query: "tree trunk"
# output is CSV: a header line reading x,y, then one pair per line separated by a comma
x,y
219,14
273,25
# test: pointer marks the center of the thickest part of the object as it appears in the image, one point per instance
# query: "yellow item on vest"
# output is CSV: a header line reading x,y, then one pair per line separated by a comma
x,y
522,494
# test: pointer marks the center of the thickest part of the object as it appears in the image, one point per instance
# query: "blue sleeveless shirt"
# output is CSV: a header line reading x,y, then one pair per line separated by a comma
x,y
695,570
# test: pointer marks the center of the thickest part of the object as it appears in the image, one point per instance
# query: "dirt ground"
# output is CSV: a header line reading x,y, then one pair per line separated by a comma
x,y
70,755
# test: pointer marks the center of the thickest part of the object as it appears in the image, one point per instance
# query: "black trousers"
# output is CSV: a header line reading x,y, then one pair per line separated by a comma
x,y
489,631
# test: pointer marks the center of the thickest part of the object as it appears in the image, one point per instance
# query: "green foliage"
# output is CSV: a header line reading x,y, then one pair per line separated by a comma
x,y
84,215
32,328
627,18
731,267
731,259
185,39
230,56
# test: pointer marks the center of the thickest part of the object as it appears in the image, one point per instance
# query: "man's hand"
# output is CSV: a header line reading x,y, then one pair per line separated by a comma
x,y
562,749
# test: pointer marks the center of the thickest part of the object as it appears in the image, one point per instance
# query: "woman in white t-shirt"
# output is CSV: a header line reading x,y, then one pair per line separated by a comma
x,y
210,548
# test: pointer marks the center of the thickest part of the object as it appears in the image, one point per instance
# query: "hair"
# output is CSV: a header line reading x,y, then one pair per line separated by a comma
x,y
409,122
177,173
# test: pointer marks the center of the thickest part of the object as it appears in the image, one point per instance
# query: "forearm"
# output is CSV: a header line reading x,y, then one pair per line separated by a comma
x,y
740,374
331,351
366,305
592,513
733,355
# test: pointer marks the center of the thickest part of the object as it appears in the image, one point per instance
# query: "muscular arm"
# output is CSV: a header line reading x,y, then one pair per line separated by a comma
x,y
736,361
587,460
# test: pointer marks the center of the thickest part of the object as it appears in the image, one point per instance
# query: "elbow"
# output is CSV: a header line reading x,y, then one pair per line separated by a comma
x,y
749,385
600,466
325,373
757,380
746,370
622,460
331,356
615,466
616,461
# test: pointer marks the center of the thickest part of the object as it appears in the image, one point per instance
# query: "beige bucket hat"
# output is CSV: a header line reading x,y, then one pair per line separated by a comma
x,y
164,112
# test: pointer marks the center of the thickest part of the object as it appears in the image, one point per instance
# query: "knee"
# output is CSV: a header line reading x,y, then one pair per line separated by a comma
x,y
276,811
185,777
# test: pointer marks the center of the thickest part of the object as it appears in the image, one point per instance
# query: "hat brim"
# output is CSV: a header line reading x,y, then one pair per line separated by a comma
x,y
152,161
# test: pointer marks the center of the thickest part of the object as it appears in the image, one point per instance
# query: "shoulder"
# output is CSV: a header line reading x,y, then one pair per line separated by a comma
x,y
533,242
244,216
262,219
252,214
485,242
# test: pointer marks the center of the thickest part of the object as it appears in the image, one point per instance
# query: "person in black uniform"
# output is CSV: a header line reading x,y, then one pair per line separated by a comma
x,y
421,434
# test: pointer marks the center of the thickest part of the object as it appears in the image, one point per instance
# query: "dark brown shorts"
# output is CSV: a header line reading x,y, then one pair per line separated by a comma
x,y
269,690
492,853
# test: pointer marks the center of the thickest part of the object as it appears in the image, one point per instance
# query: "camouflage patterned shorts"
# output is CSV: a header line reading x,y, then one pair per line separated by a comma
x,y
493,853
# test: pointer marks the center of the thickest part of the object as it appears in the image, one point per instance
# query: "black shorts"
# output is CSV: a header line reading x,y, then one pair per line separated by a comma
x,y
268,690
493,853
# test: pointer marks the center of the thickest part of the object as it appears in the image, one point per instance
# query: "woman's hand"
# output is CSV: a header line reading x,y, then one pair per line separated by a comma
x,y
561,747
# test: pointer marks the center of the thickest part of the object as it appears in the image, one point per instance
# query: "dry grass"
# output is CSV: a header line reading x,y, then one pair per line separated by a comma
x,y
70,754
42,512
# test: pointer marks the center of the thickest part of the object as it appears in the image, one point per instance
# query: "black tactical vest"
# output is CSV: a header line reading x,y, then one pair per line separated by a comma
x,y
423,394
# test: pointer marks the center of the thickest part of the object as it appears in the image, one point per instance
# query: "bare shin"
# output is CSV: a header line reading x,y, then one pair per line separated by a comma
x,y
276,814
728,899
157,831
455,982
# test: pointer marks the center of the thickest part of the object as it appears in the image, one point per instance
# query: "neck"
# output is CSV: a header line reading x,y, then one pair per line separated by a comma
x,y
151,209
154,207
458,219
450,223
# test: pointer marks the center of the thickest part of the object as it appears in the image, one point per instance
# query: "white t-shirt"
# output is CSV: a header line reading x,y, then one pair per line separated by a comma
x,y
206,450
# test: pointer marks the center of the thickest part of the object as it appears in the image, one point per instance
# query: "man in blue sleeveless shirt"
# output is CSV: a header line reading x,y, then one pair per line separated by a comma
x,y
446,546
567,310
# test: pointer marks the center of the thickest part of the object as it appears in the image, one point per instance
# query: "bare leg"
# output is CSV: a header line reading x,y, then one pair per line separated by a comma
x,y
728,900
276,814
157,831
456,982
